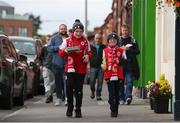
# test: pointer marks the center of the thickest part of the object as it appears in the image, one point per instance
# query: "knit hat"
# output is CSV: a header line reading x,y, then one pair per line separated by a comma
x,y
77,25
113,35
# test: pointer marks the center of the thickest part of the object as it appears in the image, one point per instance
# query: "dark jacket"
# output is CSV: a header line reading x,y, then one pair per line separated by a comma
x,y
53,47
131,65
46,57
96,59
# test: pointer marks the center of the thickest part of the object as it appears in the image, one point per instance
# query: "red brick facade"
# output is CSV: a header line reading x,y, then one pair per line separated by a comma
x,y
15,26
121,14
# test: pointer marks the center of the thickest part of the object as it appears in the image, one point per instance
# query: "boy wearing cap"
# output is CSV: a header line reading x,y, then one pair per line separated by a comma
x,y
113,73
76,50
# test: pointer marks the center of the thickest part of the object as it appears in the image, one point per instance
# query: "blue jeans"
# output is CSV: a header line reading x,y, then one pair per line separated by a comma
x,y
129,85
96,73
59,79
113,89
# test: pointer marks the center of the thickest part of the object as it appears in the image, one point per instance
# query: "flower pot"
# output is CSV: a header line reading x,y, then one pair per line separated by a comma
x,y
151,102
161,104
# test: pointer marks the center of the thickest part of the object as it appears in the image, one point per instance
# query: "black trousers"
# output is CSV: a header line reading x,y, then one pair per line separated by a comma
x,y
74,87
113,89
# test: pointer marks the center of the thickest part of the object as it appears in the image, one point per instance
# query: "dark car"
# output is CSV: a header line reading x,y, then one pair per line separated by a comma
x,y
12,75
31,48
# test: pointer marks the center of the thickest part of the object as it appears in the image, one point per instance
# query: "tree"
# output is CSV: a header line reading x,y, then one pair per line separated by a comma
x,y
36,23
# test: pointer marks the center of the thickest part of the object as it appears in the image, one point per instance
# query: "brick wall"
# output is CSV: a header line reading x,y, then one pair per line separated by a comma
x,y
16,24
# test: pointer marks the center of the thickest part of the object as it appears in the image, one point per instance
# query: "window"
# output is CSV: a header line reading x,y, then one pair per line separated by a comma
x,y
25,47
23,31
1,28
11,30
38,47
5,51
13,50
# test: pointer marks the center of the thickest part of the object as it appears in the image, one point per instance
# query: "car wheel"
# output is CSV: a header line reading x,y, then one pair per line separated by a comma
x,y
8,102
23,95
36,84
20,100
31,95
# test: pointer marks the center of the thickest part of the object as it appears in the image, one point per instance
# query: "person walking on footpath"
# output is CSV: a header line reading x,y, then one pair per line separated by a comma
x,y
95,67
131,67
63,32
57,64
76,50
113,73
48,76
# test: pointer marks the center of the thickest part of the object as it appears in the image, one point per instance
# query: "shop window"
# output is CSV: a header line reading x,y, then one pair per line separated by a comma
x,y
23,31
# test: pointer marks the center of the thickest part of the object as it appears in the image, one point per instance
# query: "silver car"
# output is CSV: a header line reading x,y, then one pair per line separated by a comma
x,y
31,48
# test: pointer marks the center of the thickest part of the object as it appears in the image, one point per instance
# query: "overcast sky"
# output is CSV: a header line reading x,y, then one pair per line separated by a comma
x,y
54,12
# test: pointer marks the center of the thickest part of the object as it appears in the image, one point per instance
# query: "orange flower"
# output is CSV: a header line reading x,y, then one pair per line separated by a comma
x,y
177,4
169,2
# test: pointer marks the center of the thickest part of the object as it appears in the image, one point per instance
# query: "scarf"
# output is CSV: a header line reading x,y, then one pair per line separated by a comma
x,y
113,63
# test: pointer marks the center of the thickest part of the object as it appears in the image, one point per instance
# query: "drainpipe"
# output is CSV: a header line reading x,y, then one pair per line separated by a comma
x,y
177,71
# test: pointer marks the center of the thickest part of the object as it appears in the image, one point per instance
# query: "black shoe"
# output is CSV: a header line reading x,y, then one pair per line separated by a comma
x,y
114,114
92,95
49,99
98,98
69,113
78,114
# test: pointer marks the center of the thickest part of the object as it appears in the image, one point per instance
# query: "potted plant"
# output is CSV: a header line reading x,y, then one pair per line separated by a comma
x,y
176,5
148,88
171,3
160,91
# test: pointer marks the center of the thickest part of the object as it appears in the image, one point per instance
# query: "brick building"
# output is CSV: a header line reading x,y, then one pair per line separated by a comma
x,y
14,25
121,14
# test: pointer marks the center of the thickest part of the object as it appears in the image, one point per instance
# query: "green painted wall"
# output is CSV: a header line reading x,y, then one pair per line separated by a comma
x,y
143,29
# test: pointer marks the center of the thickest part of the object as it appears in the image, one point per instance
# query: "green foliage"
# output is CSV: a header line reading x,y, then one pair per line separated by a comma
x,y
36,24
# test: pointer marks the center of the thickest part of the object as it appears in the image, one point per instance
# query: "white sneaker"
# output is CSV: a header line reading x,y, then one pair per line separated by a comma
x,y
128,101
65,101
58,102
121,102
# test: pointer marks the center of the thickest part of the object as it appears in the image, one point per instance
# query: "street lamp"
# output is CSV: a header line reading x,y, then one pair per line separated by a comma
x,y
86,14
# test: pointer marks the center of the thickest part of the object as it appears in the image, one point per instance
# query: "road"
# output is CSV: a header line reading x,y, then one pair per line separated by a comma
x,y
35,110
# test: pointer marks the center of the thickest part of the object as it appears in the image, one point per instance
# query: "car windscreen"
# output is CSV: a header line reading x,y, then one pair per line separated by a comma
x,y
25,47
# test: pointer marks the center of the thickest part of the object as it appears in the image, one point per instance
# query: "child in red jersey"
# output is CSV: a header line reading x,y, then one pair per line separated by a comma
x,y
113,73
76,50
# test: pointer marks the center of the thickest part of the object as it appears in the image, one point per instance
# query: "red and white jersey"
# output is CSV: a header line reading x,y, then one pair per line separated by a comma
x,y
74,60
112,57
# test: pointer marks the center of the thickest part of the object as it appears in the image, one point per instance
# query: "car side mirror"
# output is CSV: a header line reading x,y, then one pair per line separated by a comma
x,y
23,58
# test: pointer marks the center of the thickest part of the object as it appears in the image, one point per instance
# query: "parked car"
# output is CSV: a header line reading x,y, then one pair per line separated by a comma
x,y
12,75
31,48
29,76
